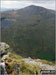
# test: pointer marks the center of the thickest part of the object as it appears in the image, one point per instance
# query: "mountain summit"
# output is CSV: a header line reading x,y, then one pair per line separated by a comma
x,y
34,7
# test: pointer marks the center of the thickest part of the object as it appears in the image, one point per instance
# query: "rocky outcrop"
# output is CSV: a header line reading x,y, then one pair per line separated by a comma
x,y
3,48
10,65
3,51
43,64
13,64
2,68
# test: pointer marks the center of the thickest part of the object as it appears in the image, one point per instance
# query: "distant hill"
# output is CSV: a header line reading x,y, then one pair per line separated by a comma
x,y
30,31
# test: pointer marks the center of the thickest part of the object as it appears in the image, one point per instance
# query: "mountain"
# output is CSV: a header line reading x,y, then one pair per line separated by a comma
x,y
30,31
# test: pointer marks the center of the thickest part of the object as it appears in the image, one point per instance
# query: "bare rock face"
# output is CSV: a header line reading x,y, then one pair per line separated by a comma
x,y
3,48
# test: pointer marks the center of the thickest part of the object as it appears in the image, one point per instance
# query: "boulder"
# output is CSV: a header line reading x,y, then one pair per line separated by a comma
x,y
3,48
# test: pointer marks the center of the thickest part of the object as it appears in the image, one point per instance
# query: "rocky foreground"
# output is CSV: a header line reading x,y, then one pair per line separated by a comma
x,y
13,64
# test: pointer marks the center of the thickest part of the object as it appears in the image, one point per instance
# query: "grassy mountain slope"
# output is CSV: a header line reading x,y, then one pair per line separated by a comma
x,y
30,31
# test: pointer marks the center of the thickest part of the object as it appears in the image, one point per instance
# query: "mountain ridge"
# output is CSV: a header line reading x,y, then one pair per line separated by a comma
x,y
32,6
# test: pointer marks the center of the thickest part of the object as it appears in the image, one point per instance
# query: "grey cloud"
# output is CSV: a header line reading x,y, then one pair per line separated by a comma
x,y
50,4
28,0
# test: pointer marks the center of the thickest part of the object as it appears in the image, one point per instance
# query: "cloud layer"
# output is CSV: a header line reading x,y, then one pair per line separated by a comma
x,y
17,4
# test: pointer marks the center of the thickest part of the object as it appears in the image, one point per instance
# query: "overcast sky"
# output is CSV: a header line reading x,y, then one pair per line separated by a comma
x,y
18,4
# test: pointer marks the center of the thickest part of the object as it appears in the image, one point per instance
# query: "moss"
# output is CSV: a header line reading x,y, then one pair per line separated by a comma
x,y
29,69
45,62
24,67
2,49
15,56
